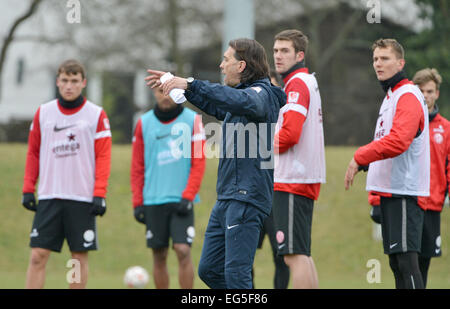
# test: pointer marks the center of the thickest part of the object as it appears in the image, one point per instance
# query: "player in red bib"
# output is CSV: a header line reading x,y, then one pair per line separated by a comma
x,y
299,158
399,159
69,150
429,81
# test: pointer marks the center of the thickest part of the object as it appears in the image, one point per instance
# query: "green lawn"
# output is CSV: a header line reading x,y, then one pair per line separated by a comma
x,y
342,240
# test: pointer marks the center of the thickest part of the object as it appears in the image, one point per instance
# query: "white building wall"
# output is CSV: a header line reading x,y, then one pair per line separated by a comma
x,y
20,100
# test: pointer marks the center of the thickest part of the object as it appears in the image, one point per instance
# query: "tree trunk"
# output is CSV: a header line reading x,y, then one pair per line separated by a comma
x,y
175,58
10,37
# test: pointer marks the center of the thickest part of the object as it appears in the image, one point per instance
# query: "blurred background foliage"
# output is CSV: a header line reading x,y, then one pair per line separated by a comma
x,y
118,40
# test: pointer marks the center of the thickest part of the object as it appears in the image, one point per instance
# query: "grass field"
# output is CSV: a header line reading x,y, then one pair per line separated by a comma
x,y
342,242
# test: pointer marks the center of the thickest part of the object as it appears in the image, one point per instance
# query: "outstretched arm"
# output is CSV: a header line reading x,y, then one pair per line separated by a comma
x,y
154,80
216,99
250,102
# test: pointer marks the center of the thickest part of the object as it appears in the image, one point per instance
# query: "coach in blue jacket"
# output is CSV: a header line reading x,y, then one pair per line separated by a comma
x,y
248,105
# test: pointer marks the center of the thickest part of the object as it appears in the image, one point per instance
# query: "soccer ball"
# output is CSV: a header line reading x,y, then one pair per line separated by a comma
x,y
136,277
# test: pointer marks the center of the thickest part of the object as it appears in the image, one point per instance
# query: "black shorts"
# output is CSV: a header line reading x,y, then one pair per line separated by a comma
x,y
401,224
292,215
269,229
57,219
431,235
163,222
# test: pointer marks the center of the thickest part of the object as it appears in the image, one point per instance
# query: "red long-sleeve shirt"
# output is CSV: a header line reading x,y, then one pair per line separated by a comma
x,y
439,166
102,153
198,163
408,120
439,163
290,133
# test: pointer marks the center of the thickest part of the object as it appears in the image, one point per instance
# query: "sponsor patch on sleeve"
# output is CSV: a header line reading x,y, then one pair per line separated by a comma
x,y
293,97
106,123
257,89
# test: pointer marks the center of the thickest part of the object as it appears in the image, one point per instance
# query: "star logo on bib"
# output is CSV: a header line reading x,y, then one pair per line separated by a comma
x,y
71,137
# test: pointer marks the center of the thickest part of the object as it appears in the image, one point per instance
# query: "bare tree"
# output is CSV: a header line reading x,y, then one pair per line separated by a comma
x,y
32,8
116,35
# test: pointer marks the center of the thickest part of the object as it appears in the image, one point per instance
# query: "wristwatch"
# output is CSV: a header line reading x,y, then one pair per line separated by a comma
x,y
189,80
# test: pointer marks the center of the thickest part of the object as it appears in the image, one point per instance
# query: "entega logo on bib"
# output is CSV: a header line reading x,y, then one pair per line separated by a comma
x,y
67,147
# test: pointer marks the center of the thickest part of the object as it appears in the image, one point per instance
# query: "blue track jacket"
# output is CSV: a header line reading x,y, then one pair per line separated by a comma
x,y
249,113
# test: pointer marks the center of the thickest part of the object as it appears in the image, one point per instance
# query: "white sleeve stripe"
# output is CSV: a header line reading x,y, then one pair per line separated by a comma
x,y
198,137
297,108
103,134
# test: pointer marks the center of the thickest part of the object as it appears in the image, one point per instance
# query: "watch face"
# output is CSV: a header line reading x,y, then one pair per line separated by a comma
x,y
190,79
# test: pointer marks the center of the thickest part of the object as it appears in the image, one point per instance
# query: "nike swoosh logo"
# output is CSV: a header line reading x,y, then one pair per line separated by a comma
x,y
232,226
393,245
437,251
87,244
163,136
56,129
281,246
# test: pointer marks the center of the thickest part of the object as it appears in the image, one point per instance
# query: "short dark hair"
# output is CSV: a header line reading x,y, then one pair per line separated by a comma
x,y
254,55
72,66
298,39
385,43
